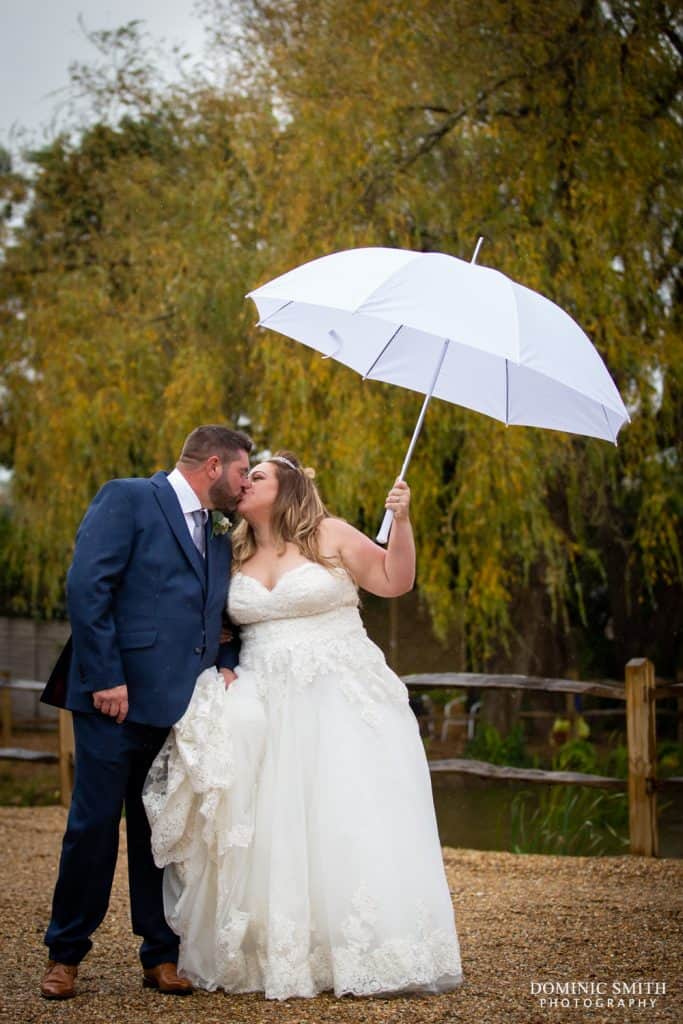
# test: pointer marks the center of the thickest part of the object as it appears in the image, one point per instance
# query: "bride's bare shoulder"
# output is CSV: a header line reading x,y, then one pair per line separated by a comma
x,y
332,523
332,534
331,527
336,535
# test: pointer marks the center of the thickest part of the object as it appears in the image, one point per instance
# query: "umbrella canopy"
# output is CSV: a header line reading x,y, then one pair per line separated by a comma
x,y
444,327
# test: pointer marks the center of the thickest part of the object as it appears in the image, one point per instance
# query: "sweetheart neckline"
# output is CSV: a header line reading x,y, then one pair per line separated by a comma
x,y
270,590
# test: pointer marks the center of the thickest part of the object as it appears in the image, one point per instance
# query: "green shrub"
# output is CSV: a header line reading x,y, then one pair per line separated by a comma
x,y
489,745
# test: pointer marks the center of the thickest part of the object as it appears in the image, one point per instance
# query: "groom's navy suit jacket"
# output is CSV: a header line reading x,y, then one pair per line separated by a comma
x,y
145,607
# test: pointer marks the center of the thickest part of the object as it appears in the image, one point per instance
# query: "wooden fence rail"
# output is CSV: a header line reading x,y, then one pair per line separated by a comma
x,y
483,769
640,692
460,680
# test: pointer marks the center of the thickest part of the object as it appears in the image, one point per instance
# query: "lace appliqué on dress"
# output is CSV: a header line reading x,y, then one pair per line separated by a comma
x,y
291,961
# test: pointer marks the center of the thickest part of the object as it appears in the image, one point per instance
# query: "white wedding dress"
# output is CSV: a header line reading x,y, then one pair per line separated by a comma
x,y
294,811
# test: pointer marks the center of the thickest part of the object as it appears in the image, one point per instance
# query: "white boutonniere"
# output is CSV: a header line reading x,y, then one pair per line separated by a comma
x,y
220,524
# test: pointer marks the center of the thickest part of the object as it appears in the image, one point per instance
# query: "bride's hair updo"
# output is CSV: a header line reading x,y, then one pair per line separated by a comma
x,y
296,515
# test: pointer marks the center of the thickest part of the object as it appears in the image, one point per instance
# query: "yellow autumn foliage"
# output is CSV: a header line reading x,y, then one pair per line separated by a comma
x,y
554,130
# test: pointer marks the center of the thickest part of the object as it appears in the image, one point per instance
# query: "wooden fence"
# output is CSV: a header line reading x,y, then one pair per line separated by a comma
x,y
65,758
640,692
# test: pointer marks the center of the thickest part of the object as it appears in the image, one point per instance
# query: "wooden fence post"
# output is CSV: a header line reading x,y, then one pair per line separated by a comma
x,y
642,757
66,756
6,710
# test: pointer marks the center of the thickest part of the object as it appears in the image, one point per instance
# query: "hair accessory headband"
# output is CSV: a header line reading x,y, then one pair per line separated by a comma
x,y
286,462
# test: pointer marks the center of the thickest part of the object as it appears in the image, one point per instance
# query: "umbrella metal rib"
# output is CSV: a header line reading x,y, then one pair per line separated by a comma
x,y
604,413
275,312
377,358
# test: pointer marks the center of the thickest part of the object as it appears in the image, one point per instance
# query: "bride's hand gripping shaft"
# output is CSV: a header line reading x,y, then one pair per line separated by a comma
x,y
399,559
398,500
387,573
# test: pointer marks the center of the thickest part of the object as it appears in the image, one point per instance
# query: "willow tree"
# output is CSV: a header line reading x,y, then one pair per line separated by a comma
x,y
123,316
551,129
554,130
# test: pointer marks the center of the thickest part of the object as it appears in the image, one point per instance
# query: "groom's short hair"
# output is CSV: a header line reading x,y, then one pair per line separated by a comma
x,y
213,439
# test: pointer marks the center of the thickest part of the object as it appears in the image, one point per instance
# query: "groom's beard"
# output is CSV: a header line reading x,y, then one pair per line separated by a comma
x,y
222,497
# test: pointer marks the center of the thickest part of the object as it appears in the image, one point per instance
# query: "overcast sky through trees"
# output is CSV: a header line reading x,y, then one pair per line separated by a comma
x,y
39,39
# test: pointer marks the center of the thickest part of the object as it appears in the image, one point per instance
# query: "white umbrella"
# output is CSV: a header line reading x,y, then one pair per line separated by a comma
x,y
449,329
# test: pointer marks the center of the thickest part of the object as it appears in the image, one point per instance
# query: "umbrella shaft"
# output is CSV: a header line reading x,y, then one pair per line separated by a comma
x,y
413,440
423,410
385,528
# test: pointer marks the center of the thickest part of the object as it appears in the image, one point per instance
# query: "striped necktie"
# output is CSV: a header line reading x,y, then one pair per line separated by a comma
x,y
198,535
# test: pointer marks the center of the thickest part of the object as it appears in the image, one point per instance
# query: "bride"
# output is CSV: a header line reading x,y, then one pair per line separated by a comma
x,y
293,811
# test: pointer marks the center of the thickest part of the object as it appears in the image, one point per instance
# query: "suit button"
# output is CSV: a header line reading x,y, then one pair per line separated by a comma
x,y
197,650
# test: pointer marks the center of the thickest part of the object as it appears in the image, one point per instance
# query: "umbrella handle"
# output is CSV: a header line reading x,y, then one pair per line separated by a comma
x,y
385,528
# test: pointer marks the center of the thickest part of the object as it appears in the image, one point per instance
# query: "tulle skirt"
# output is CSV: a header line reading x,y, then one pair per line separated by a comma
x,y
294,815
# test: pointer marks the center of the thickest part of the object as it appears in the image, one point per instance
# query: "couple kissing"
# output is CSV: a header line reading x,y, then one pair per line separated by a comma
x,y
280,823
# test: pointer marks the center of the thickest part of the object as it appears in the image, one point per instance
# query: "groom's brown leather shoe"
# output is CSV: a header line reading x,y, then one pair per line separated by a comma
x,y
165,977
59,981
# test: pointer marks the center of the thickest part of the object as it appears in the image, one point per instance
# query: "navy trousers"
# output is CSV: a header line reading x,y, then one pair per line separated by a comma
x,y
111,764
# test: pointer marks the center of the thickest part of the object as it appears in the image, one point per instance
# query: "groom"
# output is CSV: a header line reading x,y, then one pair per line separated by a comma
x,y
146,591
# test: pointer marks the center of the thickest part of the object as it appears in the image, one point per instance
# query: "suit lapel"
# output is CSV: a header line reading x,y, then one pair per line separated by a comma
x,y
170,506
217,562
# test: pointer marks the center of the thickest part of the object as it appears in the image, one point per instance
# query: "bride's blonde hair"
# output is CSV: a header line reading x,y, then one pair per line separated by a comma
x,y
295,518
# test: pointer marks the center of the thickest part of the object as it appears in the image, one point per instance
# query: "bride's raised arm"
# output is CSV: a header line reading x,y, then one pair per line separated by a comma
x,y
387,573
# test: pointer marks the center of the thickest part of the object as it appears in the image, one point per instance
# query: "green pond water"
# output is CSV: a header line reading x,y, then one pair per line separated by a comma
x,y
475,813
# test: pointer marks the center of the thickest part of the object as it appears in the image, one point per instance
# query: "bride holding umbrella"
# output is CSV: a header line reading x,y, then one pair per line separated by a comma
x,y
294,812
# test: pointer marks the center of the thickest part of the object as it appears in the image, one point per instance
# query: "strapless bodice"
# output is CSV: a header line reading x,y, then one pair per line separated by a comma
x,y
306,590
306,631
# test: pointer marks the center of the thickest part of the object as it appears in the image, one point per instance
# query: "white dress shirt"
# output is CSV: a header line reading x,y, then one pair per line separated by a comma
x,y
189,502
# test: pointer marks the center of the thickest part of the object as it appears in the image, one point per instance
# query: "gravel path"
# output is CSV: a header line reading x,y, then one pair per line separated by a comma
x,y
520,919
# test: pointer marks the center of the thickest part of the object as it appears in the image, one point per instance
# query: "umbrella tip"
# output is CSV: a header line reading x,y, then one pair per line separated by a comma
x,y
480,242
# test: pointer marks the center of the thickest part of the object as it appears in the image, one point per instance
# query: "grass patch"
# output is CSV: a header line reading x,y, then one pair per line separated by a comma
x,y
569,821
28,785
